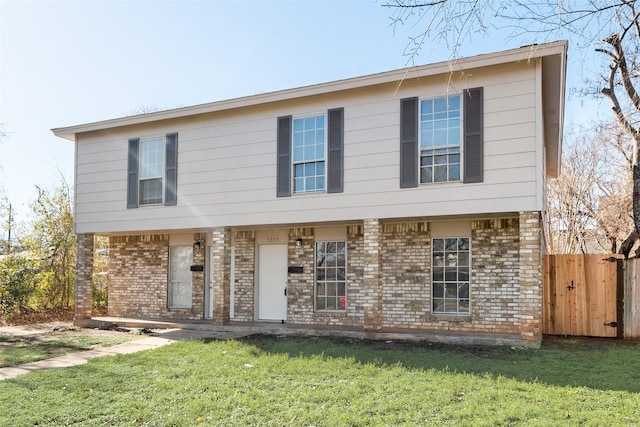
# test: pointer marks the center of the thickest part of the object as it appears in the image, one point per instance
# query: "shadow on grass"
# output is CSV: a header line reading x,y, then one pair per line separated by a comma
x,y
596,364
27,349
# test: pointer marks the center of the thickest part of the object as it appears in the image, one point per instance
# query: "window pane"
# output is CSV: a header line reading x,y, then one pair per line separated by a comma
x,y
451,290
438,245
310,184
454,103
463,290
463,244
439,174
438,274
438,305
320,303
451,245
298,154
463,259
320,275
298,186
426,174
438,290
319,184
150,191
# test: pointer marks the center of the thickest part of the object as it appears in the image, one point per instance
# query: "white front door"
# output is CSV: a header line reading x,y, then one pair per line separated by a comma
x,y
272,282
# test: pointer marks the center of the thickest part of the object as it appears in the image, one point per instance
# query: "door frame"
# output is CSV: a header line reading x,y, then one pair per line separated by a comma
x,y
208,285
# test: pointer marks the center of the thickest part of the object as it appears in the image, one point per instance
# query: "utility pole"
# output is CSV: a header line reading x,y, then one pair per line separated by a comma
x,y
9,239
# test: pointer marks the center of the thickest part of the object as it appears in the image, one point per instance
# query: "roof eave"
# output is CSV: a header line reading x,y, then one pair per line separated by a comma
x,y
514,55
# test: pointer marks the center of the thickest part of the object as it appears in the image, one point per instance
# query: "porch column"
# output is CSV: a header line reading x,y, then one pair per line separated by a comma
x,y
372,280
221,254
84,276
531,277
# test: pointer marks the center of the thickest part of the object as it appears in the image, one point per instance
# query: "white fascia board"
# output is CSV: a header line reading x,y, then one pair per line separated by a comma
x,y
515,55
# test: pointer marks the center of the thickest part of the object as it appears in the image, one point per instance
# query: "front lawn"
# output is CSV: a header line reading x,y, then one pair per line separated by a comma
x,y
306,381
16,350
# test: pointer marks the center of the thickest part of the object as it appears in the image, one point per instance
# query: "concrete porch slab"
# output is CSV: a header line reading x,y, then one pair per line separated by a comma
x,y
239,329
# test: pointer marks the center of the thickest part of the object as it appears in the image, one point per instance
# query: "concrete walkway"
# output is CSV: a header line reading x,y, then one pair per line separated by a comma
x,y
83,357
155,340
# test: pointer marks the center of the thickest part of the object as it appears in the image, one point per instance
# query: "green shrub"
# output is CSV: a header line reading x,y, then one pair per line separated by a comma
x,y
17,283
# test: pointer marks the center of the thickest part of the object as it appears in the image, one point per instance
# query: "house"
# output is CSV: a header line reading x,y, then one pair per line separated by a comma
x,y
407,201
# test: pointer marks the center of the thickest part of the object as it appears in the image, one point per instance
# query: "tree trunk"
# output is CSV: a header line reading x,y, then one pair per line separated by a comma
x,y
625,247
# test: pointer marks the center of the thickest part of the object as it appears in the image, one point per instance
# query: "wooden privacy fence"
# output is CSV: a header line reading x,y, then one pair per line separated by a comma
x,y
582,295
631,312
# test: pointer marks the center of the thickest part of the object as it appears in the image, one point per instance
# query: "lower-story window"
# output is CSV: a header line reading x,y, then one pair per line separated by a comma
x,y
331,273
450,276
180,260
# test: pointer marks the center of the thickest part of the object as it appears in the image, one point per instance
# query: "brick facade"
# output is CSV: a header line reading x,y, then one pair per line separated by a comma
x,y
138,278
84,276
388,277
245,264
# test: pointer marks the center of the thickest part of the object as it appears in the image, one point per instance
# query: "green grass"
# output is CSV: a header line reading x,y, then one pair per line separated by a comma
x,y
24,349
322,382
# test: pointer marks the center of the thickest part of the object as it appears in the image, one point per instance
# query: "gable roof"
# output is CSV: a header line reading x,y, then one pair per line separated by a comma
x,y
553,57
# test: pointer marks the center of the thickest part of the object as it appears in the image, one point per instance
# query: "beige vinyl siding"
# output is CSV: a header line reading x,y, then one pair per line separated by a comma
x,y
227,161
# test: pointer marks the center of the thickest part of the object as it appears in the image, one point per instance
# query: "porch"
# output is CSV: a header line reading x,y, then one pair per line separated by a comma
x,y
239,329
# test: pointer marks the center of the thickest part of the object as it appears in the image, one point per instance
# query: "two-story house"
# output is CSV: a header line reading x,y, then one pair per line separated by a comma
x,y
405,201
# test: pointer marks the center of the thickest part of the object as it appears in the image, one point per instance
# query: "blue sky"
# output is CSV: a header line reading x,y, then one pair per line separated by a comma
x,y
67,63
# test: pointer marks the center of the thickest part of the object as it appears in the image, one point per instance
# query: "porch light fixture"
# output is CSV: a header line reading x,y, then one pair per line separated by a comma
x,y
298,241
196,246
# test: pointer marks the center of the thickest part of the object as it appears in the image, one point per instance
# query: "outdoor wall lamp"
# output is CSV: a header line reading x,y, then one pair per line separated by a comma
x,y
298,241
196,246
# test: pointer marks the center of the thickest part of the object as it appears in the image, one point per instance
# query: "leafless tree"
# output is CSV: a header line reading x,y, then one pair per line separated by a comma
x,y
613,25
589,204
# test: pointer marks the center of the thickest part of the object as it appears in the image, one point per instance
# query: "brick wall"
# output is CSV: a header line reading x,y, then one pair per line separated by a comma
x,y
406,254
245,263
84,276
388,277
138,278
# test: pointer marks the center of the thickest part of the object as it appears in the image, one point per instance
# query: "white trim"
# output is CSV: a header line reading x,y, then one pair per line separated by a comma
x,y
526,53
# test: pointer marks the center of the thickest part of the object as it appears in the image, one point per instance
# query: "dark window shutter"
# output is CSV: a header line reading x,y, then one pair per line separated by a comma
x,y
283,178
408,142
335,182
473,135
132,177
171,170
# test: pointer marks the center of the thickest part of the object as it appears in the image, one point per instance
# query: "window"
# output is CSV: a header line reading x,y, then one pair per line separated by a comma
x,y
153,171
180,260
331,269
450,276
440,139
310,149
151,164
309,154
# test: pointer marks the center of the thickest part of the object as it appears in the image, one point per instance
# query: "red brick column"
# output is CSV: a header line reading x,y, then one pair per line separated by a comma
x,y
372,281
84,276
221,250
531,277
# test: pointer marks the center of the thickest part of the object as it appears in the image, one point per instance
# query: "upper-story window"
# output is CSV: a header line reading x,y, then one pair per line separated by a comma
x,y
152,171
151,164
309,154
442,139
440,136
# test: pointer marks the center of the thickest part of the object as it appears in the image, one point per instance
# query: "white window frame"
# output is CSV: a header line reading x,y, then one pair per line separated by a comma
x,y
142,178
341,299
323,160
440,298
180,287
440,149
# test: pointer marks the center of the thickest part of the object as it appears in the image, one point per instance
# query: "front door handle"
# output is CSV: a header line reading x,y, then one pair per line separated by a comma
x,y
285,292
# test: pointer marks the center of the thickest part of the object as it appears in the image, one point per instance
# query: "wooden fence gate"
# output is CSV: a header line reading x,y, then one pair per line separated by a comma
x,y
582,295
